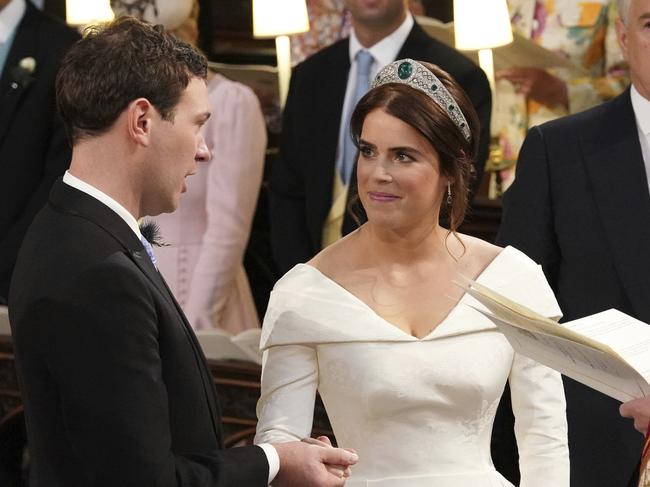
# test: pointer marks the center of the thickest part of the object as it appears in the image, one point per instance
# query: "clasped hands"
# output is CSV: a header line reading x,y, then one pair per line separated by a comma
x,y
537,84
313,462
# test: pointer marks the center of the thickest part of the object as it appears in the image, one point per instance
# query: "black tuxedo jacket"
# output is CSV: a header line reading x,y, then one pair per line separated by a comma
x,y
33,146
302,179
116,389
580,207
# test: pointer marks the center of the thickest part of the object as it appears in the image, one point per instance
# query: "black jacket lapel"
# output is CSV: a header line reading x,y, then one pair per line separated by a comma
x,y
206,375
416,43
333,80
13,84
614,164
76,202
142,260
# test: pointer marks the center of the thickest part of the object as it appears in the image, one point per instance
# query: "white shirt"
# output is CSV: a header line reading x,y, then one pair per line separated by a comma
x,y
10,17
383,52
270,452
641,107
90,190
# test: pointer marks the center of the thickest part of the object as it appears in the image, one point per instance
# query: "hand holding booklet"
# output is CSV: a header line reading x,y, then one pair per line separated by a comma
x,y
607,351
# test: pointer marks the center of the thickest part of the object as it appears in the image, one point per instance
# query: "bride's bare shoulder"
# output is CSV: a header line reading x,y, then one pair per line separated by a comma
x,y
337,257
476,252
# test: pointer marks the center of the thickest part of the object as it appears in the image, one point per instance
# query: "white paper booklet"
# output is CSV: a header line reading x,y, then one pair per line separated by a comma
x,y
221,345
607,351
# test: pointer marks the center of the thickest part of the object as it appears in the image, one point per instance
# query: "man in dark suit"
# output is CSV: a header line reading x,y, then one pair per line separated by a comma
x,y
309,181
116,389
580,206
33,148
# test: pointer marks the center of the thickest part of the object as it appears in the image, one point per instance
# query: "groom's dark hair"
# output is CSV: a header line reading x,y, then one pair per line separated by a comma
x,y
116,63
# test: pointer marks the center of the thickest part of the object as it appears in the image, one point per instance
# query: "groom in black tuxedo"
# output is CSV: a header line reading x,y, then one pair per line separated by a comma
x,y
580,207
116,389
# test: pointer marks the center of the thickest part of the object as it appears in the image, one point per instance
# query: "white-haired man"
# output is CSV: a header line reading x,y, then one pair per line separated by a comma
x,y
580,206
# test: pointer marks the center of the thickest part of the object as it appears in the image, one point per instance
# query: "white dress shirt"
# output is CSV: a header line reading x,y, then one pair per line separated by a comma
x,y
270,452
384,52
641,107
90,190
10,18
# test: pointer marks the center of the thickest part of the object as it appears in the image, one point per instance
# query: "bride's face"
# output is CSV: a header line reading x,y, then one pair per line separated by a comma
x,y
400,185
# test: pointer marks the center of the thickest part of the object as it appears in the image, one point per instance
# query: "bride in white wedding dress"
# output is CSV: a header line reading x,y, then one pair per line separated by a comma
x,y
410,374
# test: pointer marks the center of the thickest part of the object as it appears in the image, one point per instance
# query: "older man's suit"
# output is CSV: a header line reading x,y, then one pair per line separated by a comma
x,y
302,179
33,146
580,207
116,389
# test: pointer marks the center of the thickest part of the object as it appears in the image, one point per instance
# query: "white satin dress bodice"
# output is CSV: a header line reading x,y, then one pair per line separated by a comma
x,y
419,412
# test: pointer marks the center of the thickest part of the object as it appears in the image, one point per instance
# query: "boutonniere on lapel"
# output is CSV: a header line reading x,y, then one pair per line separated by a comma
x,y
151,231
23,74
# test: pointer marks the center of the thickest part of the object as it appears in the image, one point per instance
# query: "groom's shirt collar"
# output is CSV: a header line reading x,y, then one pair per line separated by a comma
x,y
93,192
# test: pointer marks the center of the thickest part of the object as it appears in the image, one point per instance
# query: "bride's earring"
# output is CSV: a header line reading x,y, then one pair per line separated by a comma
x,y
449,198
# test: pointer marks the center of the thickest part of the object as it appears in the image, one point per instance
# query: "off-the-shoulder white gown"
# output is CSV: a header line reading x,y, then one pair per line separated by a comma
x,y
419,412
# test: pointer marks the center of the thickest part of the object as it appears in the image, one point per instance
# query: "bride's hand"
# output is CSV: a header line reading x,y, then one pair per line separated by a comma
x,y
320,441
311,465
324,441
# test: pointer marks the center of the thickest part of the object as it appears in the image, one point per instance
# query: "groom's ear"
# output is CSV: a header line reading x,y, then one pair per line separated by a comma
x,y
139,116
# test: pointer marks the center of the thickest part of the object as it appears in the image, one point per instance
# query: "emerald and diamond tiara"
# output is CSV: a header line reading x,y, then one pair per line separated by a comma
x,y
415,75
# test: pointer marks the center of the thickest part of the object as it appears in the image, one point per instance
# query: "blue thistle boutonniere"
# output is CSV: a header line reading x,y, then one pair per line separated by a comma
x,y
22,75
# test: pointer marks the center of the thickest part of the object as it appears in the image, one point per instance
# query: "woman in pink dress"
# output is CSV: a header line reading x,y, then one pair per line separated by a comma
x,y
207,235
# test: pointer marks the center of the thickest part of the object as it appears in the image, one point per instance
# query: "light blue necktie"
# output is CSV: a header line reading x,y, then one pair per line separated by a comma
x,y
364,60
149,249
5,47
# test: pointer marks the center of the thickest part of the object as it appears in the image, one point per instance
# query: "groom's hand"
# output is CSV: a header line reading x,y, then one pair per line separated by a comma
x,y
303,464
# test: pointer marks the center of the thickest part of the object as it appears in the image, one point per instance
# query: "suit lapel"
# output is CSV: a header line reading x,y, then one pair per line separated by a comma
x,y
206,376
333,82
142,260
75,202
415,44
11,90
614,164
78,203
